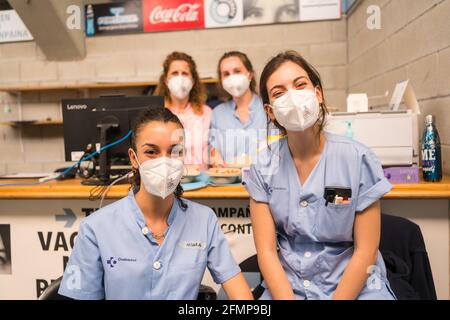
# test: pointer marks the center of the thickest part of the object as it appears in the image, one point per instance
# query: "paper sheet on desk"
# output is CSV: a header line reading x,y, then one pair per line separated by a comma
x,y
23,175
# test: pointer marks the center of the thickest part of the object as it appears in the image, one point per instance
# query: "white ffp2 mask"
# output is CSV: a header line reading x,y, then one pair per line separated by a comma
x,y
297,110
180,86
236,84
161,176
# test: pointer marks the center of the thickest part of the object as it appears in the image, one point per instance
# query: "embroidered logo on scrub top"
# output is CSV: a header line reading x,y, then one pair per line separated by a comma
x,y
268,188
113,261
192,245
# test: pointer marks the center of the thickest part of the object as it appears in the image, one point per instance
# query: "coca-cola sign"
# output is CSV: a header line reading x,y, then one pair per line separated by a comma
x,y
173,15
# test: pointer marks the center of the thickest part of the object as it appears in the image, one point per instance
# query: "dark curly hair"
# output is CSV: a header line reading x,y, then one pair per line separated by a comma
x,y
159,114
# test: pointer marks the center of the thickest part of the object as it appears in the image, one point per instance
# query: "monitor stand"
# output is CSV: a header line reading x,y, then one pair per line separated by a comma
x,y
103,177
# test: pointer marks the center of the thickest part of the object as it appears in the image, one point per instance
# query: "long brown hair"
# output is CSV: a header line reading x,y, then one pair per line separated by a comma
x,y
197,96
248,65
313,75
153,114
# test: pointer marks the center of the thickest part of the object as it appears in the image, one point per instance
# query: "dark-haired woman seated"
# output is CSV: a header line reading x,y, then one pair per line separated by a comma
x,y
314,204
152,244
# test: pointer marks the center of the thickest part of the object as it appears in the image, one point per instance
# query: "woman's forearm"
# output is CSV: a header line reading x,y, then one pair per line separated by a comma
x,y
355,275
237,288
275,276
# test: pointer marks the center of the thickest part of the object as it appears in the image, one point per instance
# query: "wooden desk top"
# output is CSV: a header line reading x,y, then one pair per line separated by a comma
x,y
72,189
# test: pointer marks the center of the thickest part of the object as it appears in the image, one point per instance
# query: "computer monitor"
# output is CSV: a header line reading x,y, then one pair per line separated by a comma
x,y
92,123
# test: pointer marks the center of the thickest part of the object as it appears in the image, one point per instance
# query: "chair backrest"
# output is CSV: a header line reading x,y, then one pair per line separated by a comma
x,y
206,293
404,253
51,293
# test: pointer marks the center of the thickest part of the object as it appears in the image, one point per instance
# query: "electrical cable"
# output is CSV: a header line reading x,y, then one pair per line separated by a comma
x,y
72,167
128,175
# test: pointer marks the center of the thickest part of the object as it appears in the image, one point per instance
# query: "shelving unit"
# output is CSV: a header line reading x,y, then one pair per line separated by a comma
x,y
32,123
79,86
38,86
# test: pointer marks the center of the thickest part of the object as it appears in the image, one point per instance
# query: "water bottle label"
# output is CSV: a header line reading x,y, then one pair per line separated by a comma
x,y
431,162
429,154
429,169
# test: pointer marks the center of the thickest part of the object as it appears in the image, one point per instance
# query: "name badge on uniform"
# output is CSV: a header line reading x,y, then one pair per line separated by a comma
x,y
192,245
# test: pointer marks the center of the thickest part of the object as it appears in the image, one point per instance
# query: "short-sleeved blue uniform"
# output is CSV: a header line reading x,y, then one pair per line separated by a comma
x,y
116,257
316,240
231,137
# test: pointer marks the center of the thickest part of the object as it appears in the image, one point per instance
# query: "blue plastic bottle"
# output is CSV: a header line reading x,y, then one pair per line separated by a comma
x,y
90,28
431,152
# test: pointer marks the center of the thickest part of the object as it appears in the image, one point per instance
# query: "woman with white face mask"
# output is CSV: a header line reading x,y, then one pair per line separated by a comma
x,y
153,244
238,125
314,203
185,96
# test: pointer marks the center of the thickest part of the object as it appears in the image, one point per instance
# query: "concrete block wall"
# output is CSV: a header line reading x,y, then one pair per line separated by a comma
x,y
139,57
413,43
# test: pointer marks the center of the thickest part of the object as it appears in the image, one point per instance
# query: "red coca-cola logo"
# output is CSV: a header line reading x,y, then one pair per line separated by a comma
x,y
173,15
185,13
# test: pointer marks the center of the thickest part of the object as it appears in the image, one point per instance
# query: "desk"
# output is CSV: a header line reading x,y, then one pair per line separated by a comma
x,y
43,220
72,189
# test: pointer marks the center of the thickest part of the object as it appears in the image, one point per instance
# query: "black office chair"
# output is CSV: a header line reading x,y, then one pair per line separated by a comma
x,y
250,265
206,293
51,293
405,255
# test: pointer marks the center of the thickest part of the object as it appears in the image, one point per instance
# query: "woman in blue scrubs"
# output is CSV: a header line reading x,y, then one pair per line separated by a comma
x,y
314,204
152,244
238,125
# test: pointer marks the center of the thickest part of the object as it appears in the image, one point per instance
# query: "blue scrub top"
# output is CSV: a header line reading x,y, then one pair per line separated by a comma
x,y
231,137
315,240
116,257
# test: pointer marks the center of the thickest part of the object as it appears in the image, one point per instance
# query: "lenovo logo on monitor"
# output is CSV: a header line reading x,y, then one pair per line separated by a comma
x,y
76,107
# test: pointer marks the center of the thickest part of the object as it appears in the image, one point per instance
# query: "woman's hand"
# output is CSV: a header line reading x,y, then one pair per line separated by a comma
x,y
216,160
